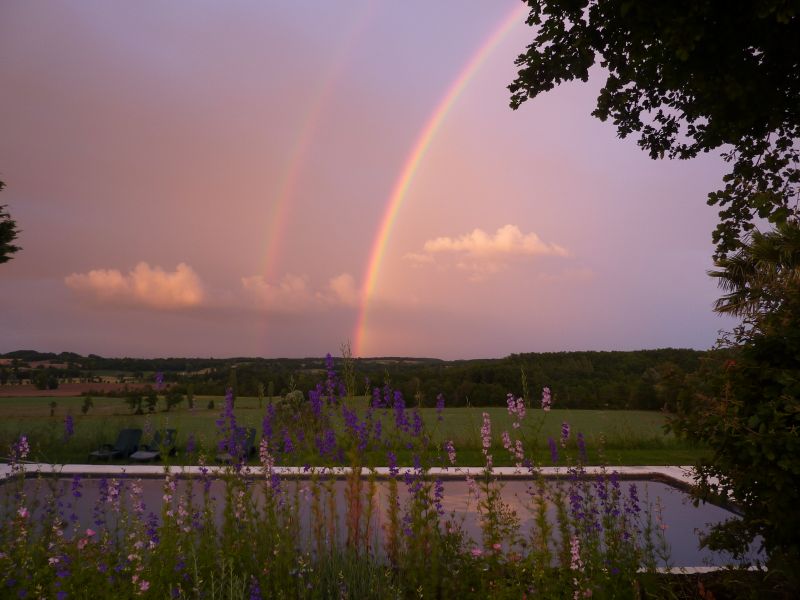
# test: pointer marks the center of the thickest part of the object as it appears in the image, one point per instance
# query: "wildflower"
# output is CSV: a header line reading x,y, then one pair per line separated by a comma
x,y
76,486
23,512
496,547
20,450
553,450
439,407
400,419
438,496
391,458
69,428
144,585
191,445
476,552
564,434
546,399
288,446
516,408
159,380
486,432
451,451
576,564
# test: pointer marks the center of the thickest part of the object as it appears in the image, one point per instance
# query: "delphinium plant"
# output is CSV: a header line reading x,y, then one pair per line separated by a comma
x,y
249,531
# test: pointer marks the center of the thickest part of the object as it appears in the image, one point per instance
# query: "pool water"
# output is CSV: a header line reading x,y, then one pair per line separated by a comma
x,y
680,522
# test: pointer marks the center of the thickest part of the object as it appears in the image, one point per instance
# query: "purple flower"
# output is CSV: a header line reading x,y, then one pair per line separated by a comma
x,y
288,446
391,459
438,495
255,590
564,434
326,444
416,429
439,407
553,450
76,486
69,428
376,398
315,398
159,380
400,419
191,444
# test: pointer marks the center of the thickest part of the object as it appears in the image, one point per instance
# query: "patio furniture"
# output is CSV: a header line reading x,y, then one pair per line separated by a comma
x,y
126,444
160,443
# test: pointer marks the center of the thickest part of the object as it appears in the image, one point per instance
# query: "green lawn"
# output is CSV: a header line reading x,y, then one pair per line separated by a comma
x,y
612,437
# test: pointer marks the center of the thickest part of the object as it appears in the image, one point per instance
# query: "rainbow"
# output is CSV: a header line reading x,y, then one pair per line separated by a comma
x,y
412,163
297,155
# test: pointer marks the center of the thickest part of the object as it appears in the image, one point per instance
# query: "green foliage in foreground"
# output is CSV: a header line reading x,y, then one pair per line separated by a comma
x,y
749,412
249,538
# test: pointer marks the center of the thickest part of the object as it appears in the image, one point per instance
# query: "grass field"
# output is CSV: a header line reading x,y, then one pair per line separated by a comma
x,y
612,437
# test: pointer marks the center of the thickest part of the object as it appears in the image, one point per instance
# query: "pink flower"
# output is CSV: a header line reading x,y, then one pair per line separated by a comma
x,y
23,512
496,547
144,585
90,532
451,451
476,552
546,399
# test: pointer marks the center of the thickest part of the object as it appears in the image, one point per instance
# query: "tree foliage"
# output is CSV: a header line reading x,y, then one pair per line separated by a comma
x,y
687,77
8,233
750,411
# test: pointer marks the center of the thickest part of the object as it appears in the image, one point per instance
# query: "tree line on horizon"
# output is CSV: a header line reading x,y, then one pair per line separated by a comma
x,y
643,379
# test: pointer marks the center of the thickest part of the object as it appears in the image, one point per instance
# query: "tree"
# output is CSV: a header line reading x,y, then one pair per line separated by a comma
x,y
687,77
8,233
750,415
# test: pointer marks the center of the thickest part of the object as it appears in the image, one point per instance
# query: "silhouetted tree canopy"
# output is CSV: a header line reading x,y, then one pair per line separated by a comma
x,y
8,232
686,77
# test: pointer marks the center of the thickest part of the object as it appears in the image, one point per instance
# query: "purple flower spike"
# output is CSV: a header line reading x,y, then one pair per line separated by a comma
x,y
159,380
553,450
439,407
69,428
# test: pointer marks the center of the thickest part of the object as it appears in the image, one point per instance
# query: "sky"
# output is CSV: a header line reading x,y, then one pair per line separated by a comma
x,y
278,179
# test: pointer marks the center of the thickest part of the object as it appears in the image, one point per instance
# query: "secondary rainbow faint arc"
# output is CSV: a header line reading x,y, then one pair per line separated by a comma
x,y
302,144
424,139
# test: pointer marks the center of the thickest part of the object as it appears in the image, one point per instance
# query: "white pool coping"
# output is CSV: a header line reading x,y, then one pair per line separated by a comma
x,y
682,476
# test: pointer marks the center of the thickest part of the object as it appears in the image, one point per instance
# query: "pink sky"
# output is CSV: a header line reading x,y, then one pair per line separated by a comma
x,y
209,179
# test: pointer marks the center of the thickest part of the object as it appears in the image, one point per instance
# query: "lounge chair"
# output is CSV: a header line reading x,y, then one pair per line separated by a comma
x,y
160,443
245,447
126,444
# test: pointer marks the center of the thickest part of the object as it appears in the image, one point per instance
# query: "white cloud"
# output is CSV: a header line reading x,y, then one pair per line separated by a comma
x,y
144,286
294,294
482,254
507,241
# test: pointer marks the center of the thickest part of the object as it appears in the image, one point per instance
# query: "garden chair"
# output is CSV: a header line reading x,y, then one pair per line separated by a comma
x,y
160,443
126,444
245,448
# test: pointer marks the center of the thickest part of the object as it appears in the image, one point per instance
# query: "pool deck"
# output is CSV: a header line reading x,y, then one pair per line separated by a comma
x,y
681,476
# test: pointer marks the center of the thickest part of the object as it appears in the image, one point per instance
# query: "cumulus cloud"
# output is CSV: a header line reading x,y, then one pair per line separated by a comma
x,y
482,254
507,241
144,285
294,293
